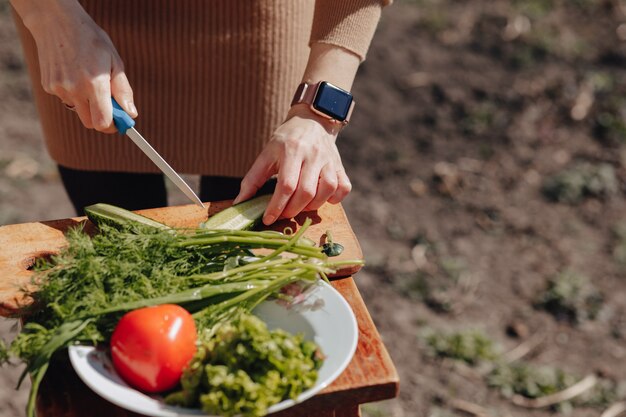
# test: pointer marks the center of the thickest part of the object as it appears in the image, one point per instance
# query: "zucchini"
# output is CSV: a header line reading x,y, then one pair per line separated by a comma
x,y
243,216
118,217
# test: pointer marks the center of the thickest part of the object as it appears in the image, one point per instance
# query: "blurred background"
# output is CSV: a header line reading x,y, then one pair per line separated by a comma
x,y
488,160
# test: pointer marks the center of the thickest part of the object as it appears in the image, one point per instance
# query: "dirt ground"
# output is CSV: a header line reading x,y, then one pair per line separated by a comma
x,y
487,158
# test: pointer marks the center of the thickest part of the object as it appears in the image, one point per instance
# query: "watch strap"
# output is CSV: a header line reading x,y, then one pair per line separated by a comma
x,y
305,93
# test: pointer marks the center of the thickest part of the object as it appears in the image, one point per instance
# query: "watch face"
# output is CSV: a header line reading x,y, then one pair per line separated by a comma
x,y
332,101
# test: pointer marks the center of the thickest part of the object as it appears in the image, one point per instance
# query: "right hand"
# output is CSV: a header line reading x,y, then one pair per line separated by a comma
x,y
79,63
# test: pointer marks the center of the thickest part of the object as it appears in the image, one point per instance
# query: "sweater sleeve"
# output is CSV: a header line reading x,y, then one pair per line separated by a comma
x,y
346,23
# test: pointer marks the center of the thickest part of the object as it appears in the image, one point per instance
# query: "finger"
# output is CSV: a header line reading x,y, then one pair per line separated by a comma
x,y
84,114
305,191
343,187
123,93
287,181
76,104
67,99
326,187
257,175
100,104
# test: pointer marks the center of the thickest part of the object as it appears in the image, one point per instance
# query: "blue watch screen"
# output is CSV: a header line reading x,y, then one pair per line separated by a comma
x,y
332,101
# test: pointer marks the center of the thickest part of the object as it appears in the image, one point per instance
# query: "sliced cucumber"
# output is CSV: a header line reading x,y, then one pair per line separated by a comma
x,y
242,216
102,213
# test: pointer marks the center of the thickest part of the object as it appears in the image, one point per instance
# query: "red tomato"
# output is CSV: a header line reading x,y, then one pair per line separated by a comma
x,y
151,346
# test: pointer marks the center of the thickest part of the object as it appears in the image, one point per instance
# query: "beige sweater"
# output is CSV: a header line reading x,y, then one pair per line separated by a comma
x,y
212,79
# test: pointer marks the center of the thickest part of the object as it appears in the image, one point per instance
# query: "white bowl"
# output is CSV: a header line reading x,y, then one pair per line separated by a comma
x,y
324,317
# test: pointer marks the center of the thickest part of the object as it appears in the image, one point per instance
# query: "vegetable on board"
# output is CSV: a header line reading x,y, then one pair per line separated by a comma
x,y
331,248
102,213
151,346
242,216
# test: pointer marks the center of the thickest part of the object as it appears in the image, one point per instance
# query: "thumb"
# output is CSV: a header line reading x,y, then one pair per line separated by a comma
x,y
122,93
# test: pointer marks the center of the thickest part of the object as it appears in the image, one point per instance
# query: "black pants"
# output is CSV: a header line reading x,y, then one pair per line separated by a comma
x,y
134,191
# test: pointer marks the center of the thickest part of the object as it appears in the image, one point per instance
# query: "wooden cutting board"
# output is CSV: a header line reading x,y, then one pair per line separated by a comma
x,y
21,244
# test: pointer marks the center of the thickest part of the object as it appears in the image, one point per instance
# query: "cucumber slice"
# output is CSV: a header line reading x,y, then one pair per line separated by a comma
x,y
118,217
243,216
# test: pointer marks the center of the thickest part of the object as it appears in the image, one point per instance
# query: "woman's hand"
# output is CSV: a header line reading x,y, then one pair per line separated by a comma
x,y
302,151
303,154
77,60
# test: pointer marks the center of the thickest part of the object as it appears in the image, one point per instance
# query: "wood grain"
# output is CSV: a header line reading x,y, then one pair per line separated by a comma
x,y
21,244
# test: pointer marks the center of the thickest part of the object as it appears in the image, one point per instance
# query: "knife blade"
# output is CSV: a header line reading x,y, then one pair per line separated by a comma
x,y
125,126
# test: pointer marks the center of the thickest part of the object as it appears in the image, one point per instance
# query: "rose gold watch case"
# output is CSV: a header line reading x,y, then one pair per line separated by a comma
x,y
306,93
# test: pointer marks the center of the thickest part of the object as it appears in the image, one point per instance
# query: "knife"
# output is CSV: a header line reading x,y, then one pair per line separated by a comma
x,y
125,125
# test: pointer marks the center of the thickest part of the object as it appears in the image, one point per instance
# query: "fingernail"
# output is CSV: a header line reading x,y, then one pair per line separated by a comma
x,y
267,220
131,108
236,200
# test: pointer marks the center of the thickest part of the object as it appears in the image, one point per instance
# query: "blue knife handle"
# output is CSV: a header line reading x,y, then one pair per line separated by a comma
x,y
122,120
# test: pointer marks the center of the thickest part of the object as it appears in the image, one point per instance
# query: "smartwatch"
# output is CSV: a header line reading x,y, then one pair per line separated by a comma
x,y
326,99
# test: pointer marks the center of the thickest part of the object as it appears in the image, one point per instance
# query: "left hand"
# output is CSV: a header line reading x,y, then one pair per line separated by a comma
x,y
303,154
